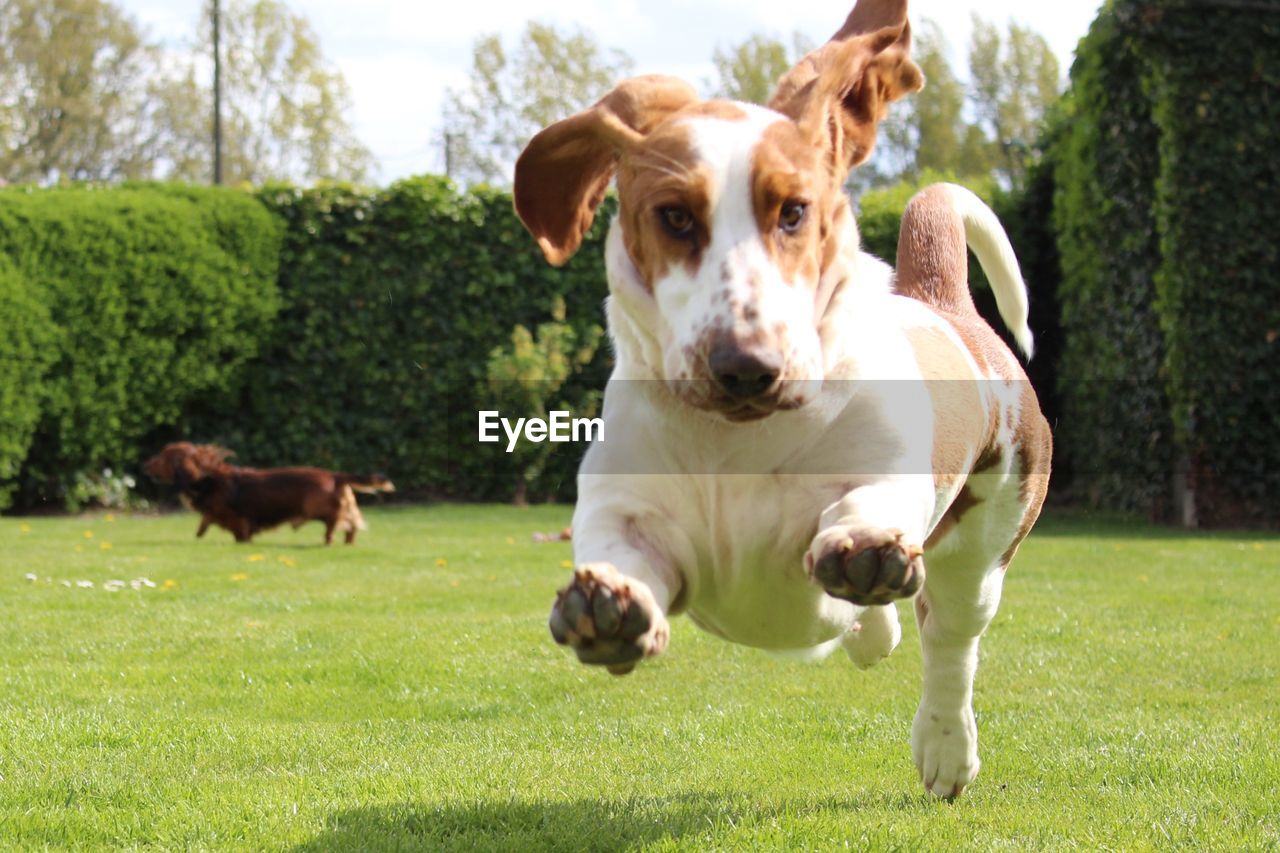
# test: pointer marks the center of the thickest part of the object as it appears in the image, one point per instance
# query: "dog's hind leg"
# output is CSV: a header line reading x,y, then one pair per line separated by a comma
x,y
876,634
205,521
957,604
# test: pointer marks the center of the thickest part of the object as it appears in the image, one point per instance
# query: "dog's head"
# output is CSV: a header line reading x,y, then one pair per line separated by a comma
x,y
182,462
731,215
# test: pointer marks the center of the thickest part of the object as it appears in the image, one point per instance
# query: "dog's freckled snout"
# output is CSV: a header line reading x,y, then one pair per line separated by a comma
x,y
744,373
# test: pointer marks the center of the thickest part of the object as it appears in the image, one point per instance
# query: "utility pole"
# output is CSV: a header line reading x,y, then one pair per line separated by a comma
x,y
217,94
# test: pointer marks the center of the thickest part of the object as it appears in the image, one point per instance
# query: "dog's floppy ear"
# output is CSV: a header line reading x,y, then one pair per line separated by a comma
x,y
838,93
564,171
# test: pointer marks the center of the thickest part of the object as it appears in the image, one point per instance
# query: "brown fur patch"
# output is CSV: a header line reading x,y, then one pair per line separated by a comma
x,y
933,259
960,420
785,169
664,171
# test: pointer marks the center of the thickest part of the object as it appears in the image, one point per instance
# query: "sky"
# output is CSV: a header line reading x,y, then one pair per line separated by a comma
x,y
399,56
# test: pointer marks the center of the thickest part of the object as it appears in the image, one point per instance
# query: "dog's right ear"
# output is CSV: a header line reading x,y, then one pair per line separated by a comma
x,y
839,93
563,173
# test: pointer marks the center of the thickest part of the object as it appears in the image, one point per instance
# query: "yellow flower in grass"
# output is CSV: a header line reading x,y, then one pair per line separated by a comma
x,y
441,562
169,583
566,564
78,549
24,528
511,540
453,583
106,546
288,562
240,576
108,518
88,534
257,558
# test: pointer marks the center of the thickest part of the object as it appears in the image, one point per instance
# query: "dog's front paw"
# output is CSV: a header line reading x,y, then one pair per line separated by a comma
x,y
867,566
944,745
608,619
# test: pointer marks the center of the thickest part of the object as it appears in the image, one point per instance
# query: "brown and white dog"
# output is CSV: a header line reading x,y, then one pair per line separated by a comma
x,y
246,501
792,435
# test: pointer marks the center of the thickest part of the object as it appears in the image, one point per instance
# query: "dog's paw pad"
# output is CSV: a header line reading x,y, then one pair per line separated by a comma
x,y
868,567
608,619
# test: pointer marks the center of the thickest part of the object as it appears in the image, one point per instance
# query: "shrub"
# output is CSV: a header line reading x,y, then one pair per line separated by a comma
x,y
159,295
26,349
391,302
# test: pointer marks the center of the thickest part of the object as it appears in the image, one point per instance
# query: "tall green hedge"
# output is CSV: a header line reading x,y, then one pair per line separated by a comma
x,y
392,301
1166,220
158,294
26,338
1115,431
1214,80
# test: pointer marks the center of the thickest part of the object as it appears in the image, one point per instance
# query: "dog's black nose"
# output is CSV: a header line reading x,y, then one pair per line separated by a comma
x,y
744,373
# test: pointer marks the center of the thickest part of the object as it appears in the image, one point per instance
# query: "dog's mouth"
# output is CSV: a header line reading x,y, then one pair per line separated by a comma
x,y
710,398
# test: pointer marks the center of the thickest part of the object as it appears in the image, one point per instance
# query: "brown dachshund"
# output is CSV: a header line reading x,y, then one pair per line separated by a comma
x,y
246,501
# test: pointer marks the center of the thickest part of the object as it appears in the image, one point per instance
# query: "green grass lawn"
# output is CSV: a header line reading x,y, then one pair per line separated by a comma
x,y
405,693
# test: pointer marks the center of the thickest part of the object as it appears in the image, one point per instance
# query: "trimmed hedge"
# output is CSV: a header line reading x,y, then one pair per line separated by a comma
x,y
392,301
1216,209
26,337
1116,432
159,295
1170,301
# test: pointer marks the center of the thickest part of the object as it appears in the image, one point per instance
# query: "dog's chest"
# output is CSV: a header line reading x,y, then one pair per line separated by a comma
x,y
746,580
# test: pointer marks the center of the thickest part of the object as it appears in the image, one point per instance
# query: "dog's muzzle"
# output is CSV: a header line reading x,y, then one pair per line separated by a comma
x,y
744,374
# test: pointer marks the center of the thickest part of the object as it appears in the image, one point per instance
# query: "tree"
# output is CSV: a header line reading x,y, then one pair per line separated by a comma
x,y
527,376
508,99
1014,81
73,86
283,107
750,71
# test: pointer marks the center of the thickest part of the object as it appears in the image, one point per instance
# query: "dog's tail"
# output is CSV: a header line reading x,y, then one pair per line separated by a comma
x,y
933,265
366,483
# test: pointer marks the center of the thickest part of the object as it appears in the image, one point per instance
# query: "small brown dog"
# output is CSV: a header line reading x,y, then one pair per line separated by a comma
x,y
246,501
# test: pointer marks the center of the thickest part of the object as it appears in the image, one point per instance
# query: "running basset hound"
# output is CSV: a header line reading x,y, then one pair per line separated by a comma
x,y
795,436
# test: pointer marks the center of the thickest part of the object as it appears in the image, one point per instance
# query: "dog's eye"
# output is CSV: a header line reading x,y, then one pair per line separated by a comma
x,y
678,220
792,215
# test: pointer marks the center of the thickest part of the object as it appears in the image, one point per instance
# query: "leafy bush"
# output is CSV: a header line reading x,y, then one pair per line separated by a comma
x,y
26,350
525,378
159,296
392,301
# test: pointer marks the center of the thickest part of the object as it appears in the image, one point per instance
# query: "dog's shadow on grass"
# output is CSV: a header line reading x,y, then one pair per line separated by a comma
x,y
583,824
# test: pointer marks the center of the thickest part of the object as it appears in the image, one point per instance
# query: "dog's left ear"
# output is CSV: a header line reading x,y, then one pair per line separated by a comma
x,y
564,171
839,93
